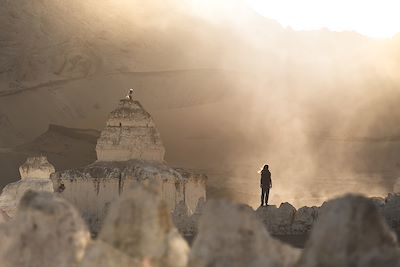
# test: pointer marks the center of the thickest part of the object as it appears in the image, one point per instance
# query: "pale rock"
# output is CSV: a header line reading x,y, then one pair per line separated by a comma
x,y
130,134
101,254
46,232
304,219
35,173
36,168
139,225
4,216
230,235
6,238
350,231
278,220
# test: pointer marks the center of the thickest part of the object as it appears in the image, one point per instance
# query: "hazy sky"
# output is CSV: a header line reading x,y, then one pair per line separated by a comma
x,y
374,18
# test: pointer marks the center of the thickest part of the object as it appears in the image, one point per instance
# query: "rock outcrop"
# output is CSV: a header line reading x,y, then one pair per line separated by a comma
x,y
35,174
304,219
278,220
4,217
130,134
231,235
46,232
286,220
350,231
140,226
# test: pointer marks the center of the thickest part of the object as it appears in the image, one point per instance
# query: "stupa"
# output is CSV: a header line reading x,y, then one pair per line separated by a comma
x,y
129,151
35,174
130,134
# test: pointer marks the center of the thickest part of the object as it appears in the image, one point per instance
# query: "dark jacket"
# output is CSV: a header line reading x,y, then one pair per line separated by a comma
x,y
265,180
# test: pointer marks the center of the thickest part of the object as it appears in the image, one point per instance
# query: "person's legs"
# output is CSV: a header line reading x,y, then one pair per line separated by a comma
x,y
266,196
262,196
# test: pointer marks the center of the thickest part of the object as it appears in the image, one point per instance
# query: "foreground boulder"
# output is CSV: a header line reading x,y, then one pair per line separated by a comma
x,y
35,175
350,231
140,226
101,254
231,235
4,216
46,232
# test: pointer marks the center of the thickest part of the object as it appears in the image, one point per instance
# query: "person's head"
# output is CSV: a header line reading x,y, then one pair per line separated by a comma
x,y
131,90
265,168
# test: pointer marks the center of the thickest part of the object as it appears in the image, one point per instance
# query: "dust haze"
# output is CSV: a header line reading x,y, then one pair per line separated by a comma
x,y
229,91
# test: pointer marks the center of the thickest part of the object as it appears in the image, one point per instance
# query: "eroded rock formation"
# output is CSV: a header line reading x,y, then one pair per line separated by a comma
x,y
350,231
46,232
231,235
35,174
138,232
130,134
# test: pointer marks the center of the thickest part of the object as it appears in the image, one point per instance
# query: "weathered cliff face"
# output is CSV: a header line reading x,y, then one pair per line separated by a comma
x,y
35,174
130,134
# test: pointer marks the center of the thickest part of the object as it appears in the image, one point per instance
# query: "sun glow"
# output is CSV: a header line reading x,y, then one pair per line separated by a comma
x,y
374,18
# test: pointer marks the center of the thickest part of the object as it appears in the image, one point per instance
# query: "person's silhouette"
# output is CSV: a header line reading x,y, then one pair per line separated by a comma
x,y
265,184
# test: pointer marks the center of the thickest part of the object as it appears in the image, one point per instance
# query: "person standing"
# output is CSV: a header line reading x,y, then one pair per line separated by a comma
x,y
265,184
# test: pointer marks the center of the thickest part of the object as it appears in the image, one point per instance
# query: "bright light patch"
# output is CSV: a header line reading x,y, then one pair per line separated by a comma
x,y
375,18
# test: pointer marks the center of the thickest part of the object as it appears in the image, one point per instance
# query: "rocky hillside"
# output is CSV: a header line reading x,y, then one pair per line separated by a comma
x,y
64,147
231,91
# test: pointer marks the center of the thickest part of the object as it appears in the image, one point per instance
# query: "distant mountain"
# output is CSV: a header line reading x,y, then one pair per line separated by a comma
x,y
65,148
